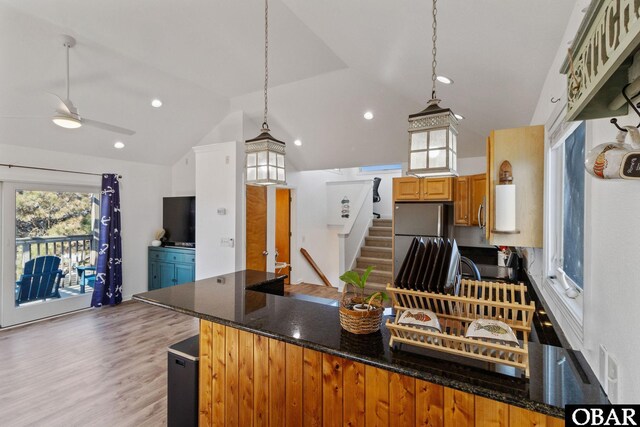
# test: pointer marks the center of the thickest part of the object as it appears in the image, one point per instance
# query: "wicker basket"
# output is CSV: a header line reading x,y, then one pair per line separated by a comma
x,y
359,322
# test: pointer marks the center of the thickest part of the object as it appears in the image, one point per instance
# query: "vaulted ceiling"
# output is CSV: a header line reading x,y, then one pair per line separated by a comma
x,y
330,61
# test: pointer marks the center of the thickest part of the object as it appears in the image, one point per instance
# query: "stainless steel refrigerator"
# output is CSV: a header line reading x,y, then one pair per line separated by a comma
x,y
418,219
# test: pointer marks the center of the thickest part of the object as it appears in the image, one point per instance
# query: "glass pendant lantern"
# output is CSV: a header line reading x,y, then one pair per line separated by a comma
x,y
265,159
264,153
433,132
433,141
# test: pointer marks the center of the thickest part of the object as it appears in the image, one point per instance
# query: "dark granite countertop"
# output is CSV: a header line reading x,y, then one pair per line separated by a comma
x,y
255,301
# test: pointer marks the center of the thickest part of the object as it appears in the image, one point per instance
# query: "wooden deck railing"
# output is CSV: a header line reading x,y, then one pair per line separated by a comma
x,y
73,250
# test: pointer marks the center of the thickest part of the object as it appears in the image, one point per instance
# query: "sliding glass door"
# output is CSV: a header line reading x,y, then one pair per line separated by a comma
x,y
49,250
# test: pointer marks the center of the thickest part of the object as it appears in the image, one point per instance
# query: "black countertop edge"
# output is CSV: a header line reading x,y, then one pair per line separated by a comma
x,y
510,399
256,302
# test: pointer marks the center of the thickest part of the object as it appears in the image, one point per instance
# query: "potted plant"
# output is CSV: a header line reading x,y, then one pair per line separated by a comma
x,y
361,314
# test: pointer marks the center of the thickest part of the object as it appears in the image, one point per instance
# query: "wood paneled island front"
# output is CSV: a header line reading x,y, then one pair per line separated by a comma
x,y
272,359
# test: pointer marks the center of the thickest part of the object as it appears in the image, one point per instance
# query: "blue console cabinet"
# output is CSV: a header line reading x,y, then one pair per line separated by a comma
x,y
171,266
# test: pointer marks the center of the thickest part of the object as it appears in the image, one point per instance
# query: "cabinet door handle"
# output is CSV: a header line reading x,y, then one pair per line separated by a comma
x,y
265,253
480,216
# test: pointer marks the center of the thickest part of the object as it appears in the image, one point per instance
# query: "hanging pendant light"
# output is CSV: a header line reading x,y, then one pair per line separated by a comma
x,y
433,131
265,154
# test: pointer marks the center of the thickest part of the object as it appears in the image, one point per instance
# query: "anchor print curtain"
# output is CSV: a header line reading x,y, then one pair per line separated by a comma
x,y
108,283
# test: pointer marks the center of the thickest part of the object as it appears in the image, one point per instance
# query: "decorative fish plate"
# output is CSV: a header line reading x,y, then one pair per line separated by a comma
x,y
425,319
490,329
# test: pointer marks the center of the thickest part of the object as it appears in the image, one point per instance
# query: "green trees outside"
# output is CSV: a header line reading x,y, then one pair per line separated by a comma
x,y
48,213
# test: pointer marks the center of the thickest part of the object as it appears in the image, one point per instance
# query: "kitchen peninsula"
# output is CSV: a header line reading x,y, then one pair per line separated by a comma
x,y
270,358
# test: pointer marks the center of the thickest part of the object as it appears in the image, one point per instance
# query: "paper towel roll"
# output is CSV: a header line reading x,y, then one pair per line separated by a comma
x,y
506,207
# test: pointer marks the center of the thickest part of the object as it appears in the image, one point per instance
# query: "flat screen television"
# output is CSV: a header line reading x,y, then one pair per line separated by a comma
x,y
179,220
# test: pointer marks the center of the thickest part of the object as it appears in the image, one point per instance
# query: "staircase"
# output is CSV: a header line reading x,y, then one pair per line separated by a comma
x,y
377,252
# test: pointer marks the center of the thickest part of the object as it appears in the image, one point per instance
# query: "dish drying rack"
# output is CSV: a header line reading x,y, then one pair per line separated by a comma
x,y
477,300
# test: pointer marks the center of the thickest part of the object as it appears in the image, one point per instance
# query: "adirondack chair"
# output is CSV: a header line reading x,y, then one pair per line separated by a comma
x,y
40,279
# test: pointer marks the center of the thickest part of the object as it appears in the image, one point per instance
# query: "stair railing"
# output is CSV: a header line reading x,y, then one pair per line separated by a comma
x,y
315,267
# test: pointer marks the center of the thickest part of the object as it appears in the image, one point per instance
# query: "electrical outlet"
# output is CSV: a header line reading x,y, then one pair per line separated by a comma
x,y
602,364
613,376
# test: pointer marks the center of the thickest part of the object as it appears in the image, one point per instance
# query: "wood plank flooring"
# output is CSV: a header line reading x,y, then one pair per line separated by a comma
x,y
100,367
314,290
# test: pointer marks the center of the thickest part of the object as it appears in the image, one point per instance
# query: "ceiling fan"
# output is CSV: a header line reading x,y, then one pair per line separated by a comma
x,y
67,115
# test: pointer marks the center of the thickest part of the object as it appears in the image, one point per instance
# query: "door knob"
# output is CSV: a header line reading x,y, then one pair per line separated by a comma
x,y
265,253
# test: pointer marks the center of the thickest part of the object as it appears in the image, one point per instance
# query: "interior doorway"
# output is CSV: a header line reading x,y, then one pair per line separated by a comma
x,y
256,223
283,232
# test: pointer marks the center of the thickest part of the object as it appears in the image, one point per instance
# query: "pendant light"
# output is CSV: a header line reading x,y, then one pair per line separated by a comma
x,y
265,154
433,131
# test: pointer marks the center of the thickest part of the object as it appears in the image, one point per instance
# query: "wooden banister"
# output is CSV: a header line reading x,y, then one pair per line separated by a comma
x,y
315,267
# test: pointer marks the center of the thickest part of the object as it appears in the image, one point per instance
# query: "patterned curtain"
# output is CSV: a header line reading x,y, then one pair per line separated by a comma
x,y
108,284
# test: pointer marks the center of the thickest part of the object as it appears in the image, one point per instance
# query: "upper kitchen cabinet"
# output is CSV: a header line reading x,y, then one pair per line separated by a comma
x,y
469,200
461,201
437,189
524,149
406,188
423,189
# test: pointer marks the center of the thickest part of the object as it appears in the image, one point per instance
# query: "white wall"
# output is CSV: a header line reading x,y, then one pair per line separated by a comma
x,y
216,188
142,188
472,165
312,232
612,294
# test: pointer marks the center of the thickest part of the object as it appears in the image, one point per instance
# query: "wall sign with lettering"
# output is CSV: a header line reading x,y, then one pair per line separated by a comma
x,y
601,55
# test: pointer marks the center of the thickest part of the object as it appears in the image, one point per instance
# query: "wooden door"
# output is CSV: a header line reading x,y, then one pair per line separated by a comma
x,y
283,230
437,189
256,227
406,188
461,201
478,191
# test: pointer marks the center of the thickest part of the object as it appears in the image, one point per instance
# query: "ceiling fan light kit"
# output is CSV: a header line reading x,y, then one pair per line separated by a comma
x,y
264,163
66,122
433,132
67,114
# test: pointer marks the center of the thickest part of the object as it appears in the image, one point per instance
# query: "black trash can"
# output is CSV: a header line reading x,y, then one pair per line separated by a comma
x,y
182,383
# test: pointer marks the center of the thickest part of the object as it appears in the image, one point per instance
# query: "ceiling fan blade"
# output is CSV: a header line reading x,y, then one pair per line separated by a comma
x,y
23,117
106,126
65,107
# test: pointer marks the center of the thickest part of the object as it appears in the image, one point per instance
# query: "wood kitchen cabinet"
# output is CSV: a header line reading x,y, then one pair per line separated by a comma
x,y
469,200
406,188
461,201
423,189
524,149
437,189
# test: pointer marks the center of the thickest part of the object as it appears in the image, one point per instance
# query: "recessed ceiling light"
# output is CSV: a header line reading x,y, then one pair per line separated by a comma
x,y
445,80
156,103
297,142
459,116
119,145
368,115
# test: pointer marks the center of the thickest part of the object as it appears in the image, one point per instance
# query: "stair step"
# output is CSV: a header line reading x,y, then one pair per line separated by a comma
x,y
380,231
381,222
383,242
375,252
379,263
372,287
377,276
